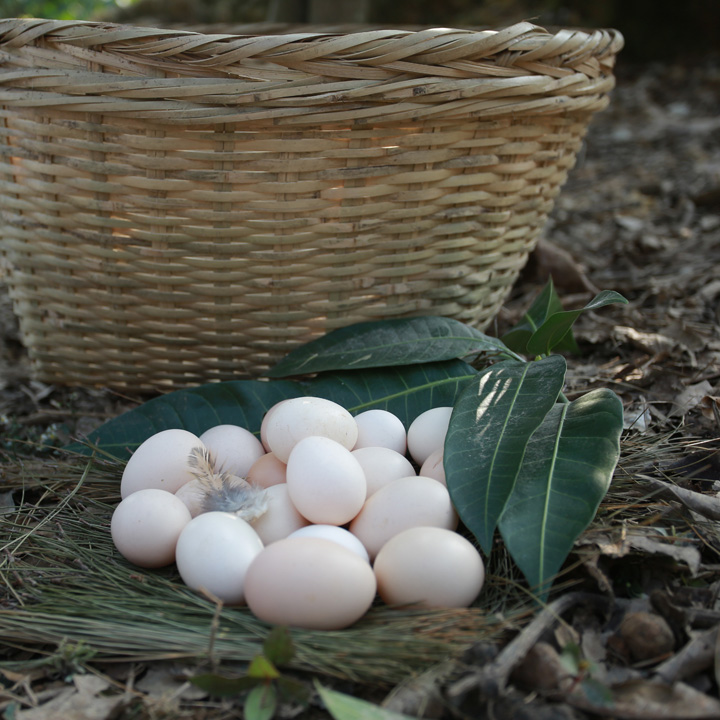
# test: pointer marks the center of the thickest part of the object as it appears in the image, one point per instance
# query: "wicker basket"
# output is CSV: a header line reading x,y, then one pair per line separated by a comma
x,y
180,207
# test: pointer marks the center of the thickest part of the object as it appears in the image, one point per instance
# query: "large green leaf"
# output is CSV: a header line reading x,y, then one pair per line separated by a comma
x,y
566,472
404,391
386,343
557,326
490,426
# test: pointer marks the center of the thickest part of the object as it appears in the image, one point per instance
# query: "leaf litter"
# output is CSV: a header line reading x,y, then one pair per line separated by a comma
x,y
640,214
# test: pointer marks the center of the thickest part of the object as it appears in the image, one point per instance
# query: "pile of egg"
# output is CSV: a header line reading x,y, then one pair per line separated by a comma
x,y
307,524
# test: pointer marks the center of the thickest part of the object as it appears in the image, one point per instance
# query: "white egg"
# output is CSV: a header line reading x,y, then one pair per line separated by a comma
x,y
266,471
266,421
381,466
427,433
433,466
429,567
380,428
193,495
311,583
281,517
326,483
145,527
297,418
232,448
402,504
336,534
214,552
161,462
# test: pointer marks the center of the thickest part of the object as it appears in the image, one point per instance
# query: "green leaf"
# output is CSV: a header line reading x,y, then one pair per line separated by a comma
x,y
278,647
388,343
291,690
490,426
597,694
552,332
404,391
221,686
545,304
261,703
345,707
566,472
261,667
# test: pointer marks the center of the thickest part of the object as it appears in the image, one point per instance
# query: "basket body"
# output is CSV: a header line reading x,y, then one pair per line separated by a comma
x,y
179,207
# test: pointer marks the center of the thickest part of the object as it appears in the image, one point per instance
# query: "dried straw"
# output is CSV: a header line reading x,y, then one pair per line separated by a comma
x,y
71,597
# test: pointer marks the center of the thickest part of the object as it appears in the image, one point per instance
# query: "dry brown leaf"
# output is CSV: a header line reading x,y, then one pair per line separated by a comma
x,y
81,701
649,342
639,541
690,398
647,700
710,406
550,260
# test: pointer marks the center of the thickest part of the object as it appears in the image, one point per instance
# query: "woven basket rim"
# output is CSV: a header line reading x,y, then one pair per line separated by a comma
x,y
521,43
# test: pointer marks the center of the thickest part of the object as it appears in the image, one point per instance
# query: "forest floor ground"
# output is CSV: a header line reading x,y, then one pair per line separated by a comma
x,y
640,214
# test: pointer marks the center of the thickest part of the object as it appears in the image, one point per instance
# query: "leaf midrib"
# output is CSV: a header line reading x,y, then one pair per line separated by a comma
x,y
551,475
491,474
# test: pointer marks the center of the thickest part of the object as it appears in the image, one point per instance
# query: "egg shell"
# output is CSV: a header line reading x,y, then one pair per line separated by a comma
x,y
281,517
381,466
298,418
336,534
160,462
326,483
145,527
193,495
233,448
267,471
311,583
429,567
433,467
402,504
265,422
380,428
214,552
427,433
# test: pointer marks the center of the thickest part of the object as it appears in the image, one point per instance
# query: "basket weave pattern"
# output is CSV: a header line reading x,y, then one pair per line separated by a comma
x,y
180,207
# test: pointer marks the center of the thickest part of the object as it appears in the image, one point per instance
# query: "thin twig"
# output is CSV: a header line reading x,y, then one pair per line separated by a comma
x,y
491,679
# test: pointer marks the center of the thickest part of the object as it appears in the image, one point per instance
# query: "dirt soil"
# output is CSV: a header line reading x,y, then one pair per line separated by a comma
x,y
639,215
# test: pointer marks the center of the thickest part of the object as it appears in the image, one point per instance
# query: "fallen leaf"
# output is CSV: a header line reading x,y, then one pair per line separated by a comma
x,y
550,260
648,700
649,342
162,681
690,398
83,700
639,541
710,406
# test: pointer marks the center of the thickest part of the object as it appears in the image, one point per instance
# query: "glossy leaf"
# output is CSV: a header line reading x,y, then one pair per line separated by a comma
x,y
566,471
405,391
490,426
388,343
261,703
556,326
547,303
346,707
